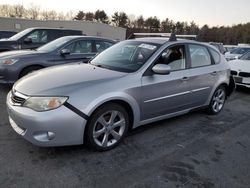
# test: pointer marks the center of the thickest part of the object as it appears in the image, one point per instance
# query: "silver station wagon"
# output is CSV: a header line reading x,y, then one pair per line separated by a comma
x,y
134,82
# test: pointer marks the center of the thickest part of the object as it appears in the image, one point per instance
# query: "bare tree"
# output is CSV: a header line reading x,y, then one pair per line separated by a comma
x,y
33,12
18,11
6,10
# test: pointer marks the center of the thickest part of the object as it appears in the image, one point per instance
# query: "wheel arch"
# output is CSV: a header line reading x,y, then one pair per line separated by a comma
x,y
26,67
126,101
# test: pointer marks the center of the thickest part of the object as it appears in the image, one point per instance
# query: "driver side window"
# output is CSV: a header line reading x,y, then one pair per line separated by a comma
x,y
79,47
38,36
174,56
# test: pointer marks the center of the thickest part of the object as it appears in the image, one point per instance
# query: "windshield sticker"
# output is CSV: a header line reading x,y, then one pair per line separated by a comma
x,y
148,46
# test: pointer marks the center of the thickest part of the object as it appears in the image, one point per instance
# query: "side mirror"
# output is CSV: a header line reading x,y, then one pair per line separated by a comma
x,y
64,52
27,40
161,69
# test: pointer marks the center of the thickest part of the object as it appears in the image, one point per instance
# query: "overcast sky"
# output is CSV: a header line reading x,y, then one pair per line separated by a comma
x,y
211,12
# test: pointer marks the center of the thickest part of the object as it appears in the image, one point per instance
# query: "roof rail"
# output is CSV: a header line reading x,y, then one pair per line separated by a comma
x,y
169,35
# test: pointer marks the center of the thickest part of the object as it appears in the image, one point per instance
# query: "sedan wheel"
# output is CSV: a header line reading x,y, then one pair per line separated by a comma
x,y
107,127
218,100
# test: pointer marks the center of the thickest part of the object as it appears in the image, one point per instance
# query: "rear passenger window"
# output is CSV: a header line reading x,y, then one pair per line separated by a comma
x,y
102,45
199,56
215,55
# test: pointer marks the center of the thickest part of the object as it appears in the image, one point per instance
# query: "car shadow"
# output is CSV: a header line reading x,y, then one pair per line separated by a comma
x,y
5,87
243,89
169,123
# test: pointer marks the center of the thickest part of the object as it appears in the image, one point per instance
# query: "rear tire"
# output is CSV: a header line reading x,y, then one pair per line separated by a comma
x,y
107,127
28,70
218,100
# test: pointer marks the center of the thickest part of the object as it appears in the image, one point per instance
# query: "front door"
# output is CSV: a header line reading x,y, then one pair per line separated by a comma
x,y
166,94
80,51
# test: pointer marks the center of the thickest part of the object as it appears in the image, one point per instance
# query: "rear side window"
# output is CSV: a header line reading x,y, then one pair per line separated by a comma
x,y
102,45
215,55
199,56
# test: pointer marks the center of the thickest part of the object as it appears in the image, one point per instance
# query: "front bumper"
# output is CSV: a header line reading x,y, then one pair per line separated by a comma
x,y
242,81
6,76
57,127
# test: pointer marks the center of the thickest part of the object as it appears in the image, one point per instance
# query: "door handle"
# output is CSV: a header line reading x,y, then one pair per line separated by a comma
x,y
185,78
214,73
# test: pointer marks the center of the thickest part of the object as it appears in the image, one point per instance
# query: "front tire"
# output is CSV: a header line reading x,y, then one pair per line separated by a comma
x,y
107,127
218,100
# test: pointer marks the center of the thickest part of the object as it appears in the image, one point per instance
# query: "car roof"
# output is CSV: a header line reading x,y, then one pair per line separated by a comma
x,y
163,40
51,28
86,37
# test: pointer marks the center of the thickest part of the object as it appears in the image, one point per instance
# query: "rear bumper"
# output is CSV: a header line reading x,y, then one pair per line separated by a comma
x,y
57,127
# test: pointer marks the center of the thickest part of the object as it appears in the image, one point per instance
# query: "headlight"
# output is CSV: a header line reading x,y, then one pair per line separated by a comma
x,y
8,61
44,103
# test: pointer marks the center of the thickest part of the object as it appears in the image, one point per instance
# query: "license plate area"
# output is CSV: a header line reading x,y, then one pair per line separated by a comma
x,y
238,79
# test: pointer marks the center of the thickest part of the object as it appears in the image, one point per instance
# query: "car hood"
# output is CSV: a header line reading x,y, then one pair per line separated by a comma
x,y
7,42
17,54
240,65
64,79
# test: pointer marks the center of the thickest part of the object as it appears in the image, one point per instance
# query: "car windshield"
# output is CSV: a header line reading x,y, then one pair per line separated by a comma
x,y
246,56
240,50
20,34
53,45
126,56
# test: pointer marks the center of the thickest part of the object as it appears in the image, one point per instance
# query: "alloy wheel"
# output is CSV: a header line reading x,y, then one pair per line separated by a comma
x,y
109,128
218,100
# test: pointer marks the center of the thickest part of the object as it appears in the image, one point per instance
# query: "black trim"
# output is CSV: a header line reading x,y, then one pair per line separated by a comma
x,y
77,111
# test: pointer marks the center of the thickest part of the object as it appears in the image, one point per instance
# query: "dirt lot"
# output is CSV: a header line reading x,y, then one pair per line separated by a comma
x,y
194,150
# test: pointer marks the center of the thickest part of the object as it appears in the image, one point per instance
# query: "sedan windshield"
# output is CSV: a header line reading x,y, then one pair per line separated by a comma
x,y
53,45
126,56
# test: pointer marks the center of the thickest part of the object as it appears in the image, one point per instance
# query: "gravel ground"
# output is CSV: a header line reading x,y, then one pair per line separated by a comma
x,y
193,150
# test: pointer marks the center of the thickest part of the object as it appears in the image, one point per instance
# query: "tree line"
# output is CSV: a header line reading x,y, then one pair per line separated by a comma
x,y
225,34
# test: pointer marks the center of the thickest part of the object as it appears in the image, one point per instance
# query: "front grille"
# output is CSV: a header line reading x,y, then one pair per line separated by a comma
x,y
17,100
234,73
244,74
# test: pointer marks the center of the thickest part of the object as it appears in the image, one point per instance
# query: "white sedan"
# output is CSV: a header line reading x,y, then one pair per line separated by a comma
x,y
240,69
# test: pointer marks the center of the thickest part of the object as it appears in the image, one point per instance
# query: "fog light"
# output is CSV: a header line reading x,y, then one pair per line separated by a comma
x,y
50,135
44,136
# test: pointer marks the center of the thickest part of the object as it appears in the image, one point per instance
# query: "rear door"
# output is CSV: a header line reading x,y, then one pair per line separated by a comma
x,y
166,94
80,51
203,74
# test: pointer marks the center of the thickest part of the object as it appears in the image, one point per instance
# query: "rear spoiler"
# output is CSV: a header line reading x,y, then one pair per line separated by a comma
x,y
169,35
